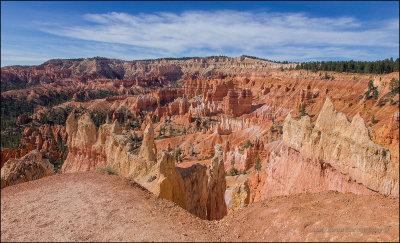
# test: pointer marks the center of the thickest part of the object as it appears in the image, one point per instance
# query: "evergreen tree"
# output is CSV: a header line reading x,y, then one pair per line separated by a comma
x,y
257,165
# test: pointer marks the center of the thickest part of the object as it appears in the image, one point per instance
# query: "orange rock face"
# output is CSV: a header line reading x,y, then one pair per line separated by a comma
x,y
287,172
346,146
45,138
235,104
7,153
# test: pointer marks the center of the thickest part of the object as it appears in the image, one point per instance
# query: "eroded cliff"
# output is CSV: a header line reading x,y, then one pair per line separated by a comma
x,y
344,145
197,189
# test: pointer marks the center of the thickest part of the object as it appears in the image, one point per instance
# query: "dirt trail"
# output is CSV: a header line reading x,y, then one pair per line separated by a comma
x,y
94,207
99,207
327,216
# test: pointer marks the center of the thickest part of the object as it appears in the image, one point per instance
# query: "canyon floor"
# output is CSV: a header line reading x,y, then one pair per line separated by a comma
x,y
92,206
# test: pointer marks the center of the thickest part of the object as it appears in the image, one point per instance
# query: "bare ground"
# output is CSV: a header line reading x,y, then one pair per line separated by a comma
x,y
99,207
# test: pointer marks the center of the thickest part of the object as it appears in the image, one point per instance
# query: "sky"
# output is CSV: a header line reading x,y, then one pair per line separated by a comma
x,y
34,32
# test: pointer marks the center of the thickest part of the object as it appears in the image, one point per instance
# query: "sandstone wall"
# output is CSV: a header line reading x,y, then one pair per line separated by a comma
x,y
287,172
199,192
344,145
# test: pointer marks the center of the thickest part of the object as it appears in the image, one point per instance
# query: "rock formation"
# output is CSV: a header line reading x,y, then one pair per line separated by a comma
x,y
344,145
7,153
196,191
235,104
191,187
216,207
30,167
170,181
150,72
240,195
288,172
45,137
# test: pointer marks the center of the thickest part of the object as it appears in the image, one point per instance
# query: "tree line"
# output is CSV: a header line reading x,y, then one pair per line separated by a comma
x,y
377,67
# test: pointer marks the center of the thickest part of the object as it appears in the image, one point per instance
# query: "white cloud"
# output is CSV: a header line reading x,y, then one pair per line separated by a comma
x,y
278,36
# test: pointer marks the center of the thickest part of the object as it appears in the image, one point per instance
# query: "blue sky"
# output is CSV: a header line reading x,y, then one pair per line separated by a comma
x,y
33,32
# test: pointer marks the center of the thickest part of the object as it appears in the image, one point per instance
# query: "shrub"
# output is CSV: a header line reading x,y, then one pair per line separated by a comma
x,y
233,171
248,144
372,91
326,76
381,102
373,120
108,170
177,155
371,85
394,85
302,110
257,165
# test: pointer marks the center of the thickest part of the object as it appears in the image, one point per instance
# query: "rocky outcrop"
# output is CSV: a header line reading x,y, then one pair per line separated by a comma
x,y
90,148
344,145
228,125
388,135
170,181
216,207
246,160
30,167
191,187
287,172
195,186
45,137
235,104
7,153
165,96
144,166
306,95
83,155
240,195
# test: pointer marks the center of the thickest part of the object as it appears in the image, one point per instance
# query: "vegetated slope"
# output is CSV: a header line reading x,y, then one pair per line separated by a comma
x,y
97,207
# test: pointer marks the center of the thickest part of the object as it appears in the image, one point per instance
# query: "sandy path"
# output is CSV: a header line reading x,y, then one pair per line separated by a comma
x,y
99,207
93,207
327,216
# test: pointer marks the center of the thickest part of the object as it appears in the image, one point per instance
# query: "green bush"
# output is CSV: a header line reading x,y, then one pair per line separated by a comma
x,y
373,120
177,155
394,85
108,170
302,110
257,165
381,102
248,144
372,91
233,171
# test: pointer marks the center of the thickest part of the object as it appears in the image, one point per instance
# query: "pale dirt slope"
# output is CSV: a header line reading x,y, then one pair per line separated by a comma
x,y
98,207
